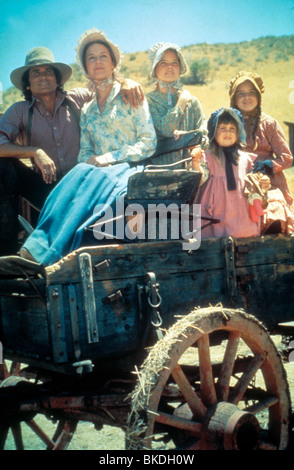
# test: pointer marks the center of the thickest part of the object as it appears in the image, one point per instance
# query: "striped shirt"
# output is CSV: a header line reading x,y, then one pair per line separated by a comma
x,y
58,134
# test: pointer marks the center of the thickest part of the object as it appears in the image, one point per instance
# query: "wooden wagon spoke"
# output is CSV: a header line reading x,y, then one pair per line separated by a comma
x,y
244,381
262,405
197,407
40,433
223,384
17,435
3,435
180,423
68,428
4,373
207,387
15,368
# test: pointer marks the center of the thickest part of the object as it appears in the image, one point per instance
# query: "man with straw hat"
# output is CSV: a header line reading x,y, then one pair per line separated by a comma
x,y
44,128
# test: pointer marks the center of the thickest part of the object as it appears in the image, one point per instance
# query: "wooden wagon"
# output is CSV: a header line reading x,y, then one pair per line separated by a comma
x,y
172,345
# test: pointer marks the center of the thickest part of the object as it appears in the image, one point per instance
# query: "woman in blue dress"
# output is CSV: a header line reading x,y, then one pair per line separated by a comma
x,y
115,139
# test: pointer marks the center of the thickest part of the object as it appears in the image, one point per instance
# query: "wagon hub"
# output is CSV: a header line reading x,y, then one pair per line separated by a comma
x,y
229,428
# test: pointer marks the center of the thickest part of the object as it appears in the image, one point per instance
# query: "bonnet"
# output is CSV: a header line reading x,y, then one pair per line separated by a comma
x,y
242,77
92,35
212,123
156,52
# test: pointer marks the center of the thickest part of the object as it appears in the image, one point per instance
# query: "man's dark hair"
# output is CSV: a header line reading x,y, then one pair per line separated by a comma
x,y
26,83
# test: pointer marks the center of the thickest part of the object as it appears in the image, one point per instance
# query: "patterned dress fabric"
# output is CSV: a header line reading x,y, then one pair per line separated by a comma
x,y
168,118
270,143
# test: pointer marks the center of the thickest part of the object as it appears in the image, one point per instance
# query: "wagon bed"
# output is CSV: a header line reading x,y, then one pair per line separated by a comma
x,y
84,325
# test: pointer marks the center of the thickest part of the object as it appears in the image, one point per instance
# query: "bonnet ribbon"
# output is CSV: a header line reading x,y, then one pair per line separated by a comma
x,y
230,160
176,84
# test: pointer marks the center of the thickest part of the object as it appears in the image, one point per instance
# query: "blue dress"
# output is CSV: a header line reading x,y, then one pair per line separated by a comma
x,y
72,207
122,134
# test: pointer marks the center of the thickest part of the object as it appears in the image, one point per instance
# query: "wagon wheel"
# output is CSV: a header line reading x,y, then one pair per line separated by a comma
x,y
188,396
30,429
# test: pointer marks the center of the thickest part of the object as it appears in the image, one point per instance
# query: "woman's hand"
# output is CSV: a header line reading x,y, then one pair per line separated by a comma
x,y
45,165
184,98
100,160
177,134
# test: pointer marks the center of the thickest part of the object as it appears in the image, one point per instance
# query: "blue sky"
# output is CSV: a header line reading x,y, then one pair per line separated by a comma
x,y
134,25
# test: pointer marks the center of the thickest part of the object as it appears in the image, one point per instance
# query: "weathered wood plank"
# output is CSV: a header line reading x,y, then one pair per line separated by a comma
x,y
121,260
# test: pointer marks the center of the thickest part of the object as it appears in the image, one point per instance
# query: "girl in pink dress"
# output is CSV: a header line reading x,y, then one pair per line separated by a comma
x,y
224,167
265,138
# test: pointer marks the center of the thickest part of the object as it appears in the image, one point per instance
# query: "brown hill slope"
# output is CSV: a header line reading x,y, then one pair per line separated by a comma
x,y
271,57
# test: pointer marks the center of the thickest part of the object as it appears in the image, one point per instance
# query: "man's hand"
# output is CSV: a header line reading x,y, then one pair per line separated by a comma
x,y
132,93
45,165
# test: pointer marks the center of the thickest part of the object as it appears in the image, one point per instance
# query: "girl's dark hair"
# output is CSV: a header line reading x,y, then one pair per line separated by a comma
x,y
98,42
227,118
26,83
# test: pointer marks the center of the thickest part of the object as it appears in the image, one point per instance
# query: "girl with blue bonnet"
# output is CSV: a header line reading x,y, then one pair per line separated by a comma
x,y
224,167
174,110
115,139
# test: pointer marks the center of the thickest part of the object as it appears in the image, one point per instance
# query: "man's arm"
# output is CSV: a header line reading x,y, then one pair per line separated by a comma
x,y
132,93
40,158
10,127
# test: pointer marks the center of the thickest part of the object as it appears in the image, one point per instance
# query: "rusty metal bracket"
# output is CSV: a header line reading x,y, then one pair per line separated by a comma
x,y
74,321
102,265
57,323
231,277
89,303
114,297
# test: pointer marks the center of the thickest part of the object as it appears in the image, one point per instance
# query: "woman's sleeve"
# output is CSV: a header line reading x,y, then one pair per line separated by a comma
x,y
86,147
280,147
145,144
200,121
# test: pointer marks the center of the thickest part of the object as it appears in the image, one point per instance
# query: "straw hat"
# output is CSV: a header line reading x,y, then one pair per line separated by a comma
x,y
39,56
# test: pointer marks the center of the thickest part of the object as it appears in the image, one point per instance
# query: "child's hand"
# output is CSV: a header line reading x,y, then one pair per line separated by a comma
x,y
197,153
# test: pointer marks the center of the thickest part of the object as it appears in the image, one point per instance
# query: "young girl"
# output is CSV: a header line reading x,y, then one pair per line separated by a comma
x,y
224,167
174,110
265,138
